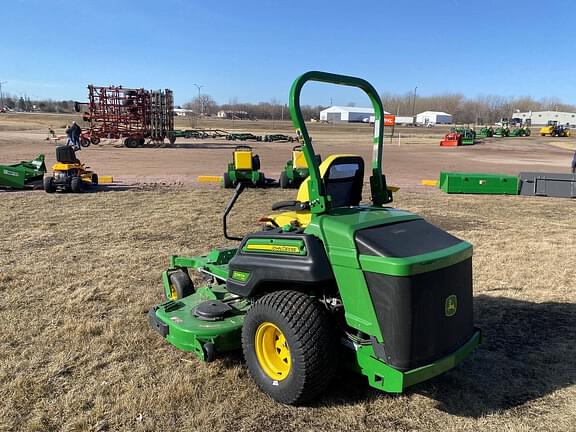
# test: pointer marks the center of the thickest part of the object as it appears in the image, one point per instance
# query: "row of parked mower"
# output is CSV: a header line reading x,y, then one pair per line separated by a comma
x,y
245,168
465,136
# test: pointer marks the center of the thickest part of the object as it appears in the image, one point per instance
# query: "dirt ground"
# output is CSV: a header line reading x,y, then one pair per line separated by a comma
x,y
408,158
78,274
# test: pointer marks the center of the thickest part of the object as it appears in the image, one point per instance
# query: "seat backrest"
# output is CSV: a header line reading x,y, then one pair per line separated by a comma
x,y
344,180
66,154
243,159
343,177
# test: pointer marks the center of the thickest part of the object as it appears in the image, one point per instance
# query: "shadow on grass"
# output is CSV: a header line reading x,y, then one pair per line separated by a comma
x,y
527,352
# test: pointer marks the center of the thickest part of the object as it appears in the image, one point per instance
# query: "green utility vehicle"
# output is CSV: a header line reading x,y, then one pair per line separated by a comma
x,y
23,174
244,168
296,169
328,280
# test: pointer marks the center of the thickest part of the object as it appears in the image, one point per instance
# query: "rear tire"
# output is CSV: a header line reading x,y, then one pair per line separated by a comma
x,y
95,140
227,182
49,184
95,179
180,285
284,180
131,142
289,346
85,142
76,185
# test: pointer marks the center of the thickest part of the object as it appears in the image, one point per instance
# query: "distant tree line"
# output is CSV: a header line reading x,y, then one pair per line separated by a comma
x,y
24,103
482,109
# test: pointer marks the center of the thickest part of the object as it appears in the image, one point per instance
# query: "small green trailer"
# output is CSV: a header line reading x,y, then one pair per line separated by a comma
x,y
478,183
23,174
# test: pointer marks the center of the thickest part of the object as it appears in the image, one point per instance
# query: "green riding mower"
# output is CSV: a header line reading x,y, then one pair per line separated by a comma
x,y
244,168
296,169
485,132
328,280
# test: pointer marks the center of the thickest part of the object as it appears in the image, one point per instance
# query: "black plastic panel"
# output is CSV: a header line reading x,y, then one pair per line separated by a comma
x,y
412,316
280,270
403,239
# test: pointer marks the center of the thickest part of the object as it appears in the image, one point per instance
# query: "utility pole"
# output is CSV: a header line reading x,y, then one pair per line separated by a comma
x,y
2,95
199,87
414,108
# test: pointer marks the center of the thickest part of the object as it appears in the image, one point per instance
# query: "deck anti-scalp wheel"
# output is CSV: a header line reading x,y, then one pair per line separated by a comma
x,y
289,346
180,285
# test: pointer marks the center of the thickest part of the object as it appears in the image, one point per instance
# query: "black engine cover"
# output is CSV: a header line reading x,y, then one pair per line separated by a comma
x,y
414,314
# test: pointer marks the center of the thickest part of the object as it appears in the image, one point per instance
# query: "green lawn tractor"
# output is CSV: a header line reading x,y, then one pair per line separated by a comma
x,y
485,132
244,168
467,134
501,132
296,169
23,174
522,131
328,281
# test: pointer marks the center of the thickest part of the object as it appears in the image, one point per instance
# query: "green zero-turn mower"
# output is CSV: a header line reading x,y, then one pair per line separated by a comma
x,y
244,168
296,169
326,281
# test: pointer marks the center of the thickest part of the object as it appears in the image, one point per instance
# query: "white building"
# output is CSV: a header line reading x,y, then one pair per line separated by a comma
x,y
341,114
433,117
539,118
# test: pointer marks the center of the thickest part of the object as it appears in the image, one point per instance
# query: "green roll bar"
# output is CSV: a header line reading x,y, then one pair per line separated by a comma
x,y
319,202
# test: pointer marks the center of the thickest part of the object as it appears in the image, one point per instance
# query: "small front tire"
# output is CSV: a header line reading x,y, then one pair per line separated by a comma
x,y
49,184
180,285
76,184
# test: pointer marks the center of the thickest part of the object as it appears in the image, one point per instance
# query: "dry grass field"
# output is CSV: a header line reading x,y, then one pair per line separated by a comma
x,y
79,272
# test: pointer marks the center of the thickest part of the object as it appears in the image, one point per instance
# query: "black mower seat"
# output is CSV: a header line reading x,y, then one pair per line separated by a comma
x,y
344,179
66,155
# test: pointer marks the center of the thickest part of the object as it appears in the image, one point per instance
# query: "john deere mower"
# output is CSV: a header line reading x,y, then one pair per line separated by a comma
x,y
328,280
485,132
244,168
296,169
69,174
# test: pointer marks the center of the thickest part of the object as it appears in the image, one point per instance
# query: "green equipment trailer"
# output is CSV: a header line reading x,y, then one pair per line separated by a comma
x,y
478,183
23,174
328,280
243,137
244,168
296,169
278,137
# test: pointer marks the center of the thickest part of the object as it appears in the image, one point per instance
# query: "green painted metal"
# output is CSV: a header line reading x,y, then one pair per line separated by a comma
x,y
478,183
18,175
385,378
319,202
501,132
254,177
468,135
188,333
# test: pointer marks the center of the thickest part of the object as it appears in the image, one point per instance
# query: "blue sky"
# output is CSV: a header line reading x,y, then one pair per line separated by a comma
x,y
252,50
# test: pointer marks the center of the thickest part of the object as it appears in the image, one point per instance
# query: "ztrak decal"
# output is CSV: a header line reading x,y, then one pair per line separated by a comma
x,y
289,247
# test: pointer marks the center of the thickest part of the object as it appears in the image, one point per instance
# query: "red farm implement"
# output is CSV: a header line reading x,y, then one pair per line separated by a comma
x,y
135,115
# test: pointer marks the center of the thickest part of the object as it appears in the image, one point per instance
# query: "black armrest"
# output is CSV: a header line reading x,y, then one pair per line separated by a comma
x,y
290,205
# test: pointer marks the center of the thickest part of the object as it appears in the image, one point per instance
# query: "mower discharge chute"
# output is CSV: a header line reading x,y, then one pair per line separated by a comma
x,y
23,174
328,280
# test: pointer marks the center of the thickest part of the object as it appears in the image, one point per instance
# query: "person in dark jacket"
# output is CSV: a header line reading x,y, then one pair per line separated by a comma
x,y
574,163
73,133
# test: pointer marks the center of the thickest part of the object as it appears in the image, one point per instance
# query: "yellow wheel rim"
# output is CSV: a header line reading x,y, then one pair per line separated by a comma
x,y
272,351
173,294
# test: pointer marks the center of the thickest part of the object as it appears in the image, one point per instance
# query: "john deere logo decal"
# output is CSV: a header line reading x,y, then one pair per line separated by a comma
x,y
451,305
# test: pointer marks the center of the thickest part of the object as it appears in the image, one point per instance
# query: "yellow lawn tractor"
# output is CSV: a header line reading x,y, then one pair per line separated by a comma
x,y
69,174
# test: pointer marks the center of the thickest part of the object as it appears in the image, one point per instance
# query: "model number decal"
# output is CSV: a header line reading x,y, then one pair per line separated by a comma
x,y
273,248
11,173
